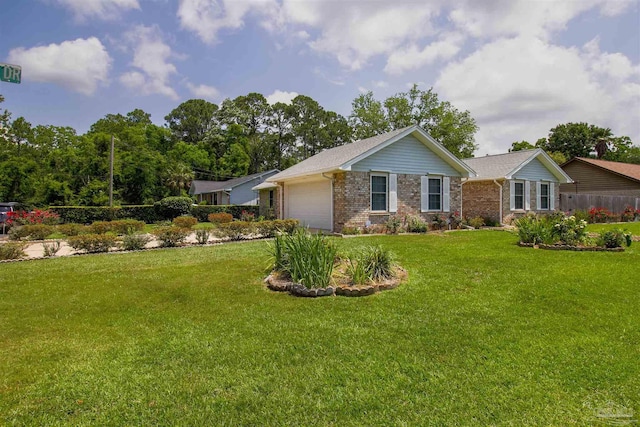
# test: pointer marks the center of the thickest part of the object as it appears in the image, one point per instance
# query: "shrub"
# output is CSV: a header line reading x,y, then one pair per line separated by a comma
x,y
581,214
172,207
477,222
124,227
351,230
220,217
266,228
490,222
37,231
50,249
455,220
570,230
202,236
415,224
235,230
630,214
612,239
12,250
599,215
532,229
170,236
287,226
308,259
439,222
135,242
393,224
100,227
185,221
18,233
357,272
378,262
71,229
92,242
247,216
34,217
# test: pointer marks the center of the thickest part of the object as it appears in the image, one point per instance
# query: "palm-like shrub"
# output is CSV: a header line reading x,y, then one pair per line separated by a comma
x,y
377,262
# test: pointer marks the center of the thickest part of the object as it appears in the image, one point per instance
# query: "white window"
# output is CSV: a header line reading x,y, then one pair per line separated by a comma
x,y
544,196
518,195
379,192
434,193
519,192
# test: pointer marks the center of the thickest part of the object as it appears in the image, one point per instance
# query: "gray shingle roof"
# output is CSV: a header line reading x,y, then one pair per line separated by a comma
x,y
200,186
499,165
334,158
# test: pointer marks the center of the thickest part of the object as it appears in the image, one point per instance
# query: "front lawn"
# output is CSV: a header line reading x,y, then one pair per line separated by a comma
x,y
483,333
633,227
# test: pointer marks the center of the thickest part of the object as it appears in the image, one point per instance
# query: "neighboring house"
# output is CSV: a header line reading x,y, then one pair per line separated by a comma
x,y
592,176
512,184
601,184
236,191
365,182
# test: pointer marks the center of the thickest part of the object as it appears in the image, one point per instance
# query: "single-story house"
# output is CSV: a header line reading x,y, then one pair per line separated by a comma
x,y
512,184
236,191
593,176
401,172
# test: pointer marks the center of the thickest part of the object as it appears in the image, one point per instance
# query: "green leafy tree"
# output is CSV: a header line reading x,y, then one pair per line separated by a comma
x,y
192,120
453,128
574,139
521,145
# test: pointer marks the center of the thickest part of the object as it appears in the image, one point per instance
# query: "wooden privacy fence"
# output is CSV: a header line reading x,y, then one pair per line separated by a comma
x,y
570,202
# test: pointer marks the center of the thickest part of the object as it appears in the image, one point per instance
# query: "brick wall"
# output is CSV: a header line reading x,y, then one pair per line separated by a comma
x,y
351,194
482,198
264,203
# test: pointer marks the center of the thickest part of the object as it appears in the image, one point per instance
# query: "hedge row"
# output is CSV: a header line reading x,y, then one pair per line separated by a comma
x,y
146,213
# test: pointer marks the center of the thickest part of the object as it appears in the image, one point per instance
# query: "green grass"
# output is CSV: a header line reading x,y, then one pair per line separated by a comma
x,y
484,333
633,227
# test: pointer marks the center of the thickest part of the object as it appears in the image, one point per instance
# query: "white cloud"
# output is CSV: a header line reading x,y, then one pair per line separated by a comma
x,y
411,57
79,65
209,93
151,62
520,88
381,84
281,96
362,89
207,17
101,9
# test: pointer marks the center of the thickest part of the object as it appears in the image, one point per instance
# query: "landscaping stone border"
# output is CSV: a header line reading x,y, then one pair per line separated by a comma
x,y
296,289
571,248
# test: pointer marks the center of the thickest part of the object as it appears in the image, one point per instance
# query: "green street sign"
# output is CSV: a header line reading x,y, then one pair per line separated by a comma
x,y
10,73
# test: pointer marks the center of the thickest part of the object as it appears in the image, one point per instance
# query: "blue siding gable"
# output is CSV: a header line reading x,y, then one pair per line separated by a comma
x,y
406,156
535,171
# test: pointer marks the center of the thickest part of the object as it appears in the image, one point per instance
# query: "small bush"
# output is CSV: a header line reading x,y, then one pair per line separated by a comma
x,y
124,227
92,243
135,242
600,215
415,224
477,222
630,214
12,250
247,216
439,222
569,230
356,270
202,236
378,262
266,228
172,207
100,227
50,249
38,231
533,229
393,225
71,229
236,230
18,233
351,230
185,221
614,238
287,226
170,236
34,217
220,217
308,259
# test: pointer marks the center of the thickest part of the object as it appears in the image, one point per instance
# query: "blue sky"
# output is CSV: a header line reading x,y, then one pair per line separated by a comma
x,y
520,67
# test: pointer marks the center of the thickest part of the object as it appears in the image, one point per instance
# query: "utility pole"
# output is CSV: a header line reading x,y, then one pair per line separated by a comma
x,y
111,175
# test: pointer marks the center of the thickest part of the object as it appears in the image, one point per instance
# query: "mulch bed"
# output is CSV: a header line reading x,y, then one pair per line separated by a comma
x,y
571,248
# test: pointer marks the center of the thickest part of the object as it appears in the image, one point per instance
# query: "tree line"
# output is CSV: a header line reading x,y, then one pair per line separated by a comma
x,y
45,165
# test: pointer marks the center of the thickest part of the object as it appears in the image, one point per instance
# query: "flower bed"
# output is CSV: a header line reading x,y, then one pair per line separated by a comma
x,y
571,248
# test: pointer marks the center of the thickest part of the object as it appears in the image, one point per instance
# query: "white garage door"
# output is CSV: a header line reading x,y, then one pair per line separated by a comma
x,y
310,203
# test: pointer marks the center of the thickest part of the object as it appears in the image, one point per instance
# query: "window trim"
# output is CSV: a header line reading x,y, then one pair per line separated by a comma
x,y
429,208
386,193
515,194
547,197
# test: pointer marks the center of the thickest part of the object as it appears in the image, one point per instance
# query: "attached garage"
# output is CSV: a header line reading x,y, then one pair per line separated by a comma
x,y
310,202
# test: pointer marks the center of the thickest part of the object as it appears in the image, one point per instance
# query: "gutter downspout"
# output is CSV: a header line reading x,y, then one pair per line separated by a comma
x,y
280,188
501,188
332,182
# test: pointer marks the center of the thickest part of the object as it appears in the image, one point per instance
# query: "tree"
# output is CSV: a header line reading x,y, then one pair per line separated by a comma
x,y
192,120
5,116
522,145
453,128
574,139
179,177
